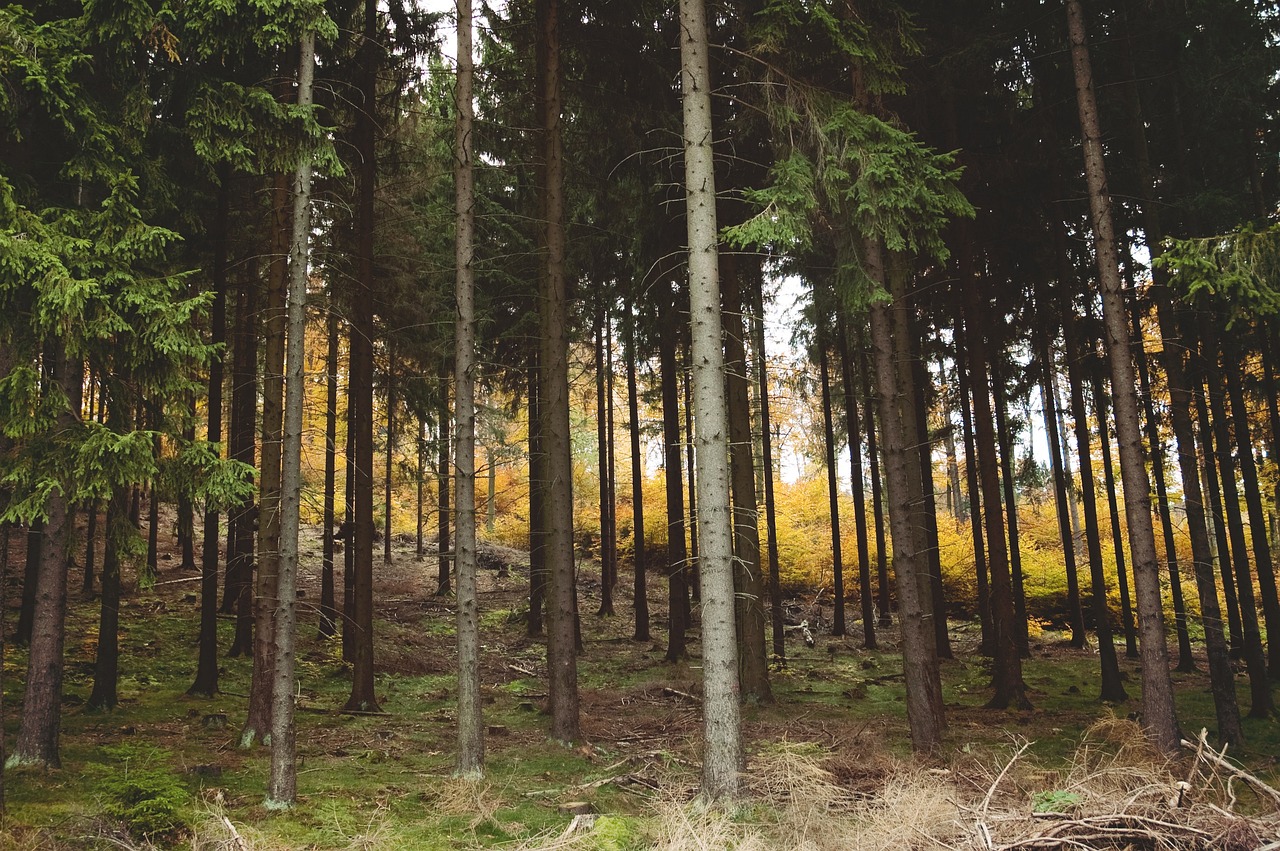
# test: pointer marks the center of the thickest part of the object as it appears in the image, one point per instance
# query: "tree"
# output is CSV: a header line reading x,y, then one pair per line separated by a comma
x,y
1158,715
722,759
282,789
470,722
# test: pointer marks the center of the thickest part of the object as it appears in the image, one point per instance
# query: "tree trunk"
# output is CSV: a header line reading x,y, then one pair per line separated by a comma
x,y
986,647
1006,668
537,511
206,680
753,664
928,502
853,427
348,525
444,487
553,399
282,789
692,573
833,484
602,453
677,592
362,695
266,598
389,495
1186,662
106,671
1158,714
38,735
420,548
722,759
238,595
1253,503
640,592
1215,509
1006,447
1117,538
1261,705
877,499
328,603
777,627
892,372
470,718
1061,497
1112,687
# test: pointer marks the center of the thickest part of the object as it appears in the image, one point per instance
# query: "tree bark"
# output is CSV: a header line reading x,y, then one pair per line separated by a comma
x,y
282,788
38,735
537,511
640,592
1158,714
562,662
883,599
777,627
853,428
748,581
1006,669
971,466
602,457
1061,497
362,697
206,680
1006,447
257,727
722,758
238,593
389,459
444,486
470,717
677,555
328,603
106,670
1112,687
924,689
833,484
1214,508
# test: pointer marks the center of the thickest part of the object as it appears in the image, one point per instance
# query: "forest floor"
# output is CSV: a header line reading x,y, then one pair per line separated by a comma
x,y
164,769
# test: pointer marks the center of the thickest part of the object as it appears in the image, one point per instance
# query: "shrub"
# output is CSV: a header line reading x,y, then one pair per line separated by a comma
x,y
142,792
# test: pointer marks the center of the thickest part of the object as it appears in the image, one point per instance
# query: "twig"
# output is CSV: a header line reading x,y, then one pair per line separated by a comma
x,y
521,670
236,838
692,698
1212,757
986,801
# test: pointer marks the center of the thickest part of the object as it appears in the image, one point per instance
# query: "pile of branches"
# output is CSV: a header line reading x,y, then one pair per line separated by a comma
x,y
1123,798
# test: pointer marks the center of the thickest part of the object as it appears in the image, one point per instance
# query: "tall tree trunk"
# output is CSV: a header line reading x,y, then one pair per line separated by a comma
x,y
986,647
328,603
106,670
238,594
1215,509
753,664
928,502
1261,705
611,465
389,460
562,660
282,788
348,525
257,726
602,452
537,511
1007,661
853,427
692,573
777,628
883,599
1158,714
1006,447
1253,503
420,548
1060,492
444,486
362,695
833,483
893,377
38,735
470,717
677,555
1112,687
206,680
1117,537
30,579
722,758
1186,662
640,592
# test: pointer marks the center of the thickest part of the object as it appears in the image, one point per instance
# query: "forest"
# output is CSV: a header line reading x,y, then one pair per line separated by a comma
x,y
757,424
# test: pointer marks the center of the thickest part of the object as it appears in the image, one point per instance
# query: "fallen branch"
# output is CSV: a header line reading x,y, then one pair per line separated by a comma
x,y
1207,754
236,838
692,698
